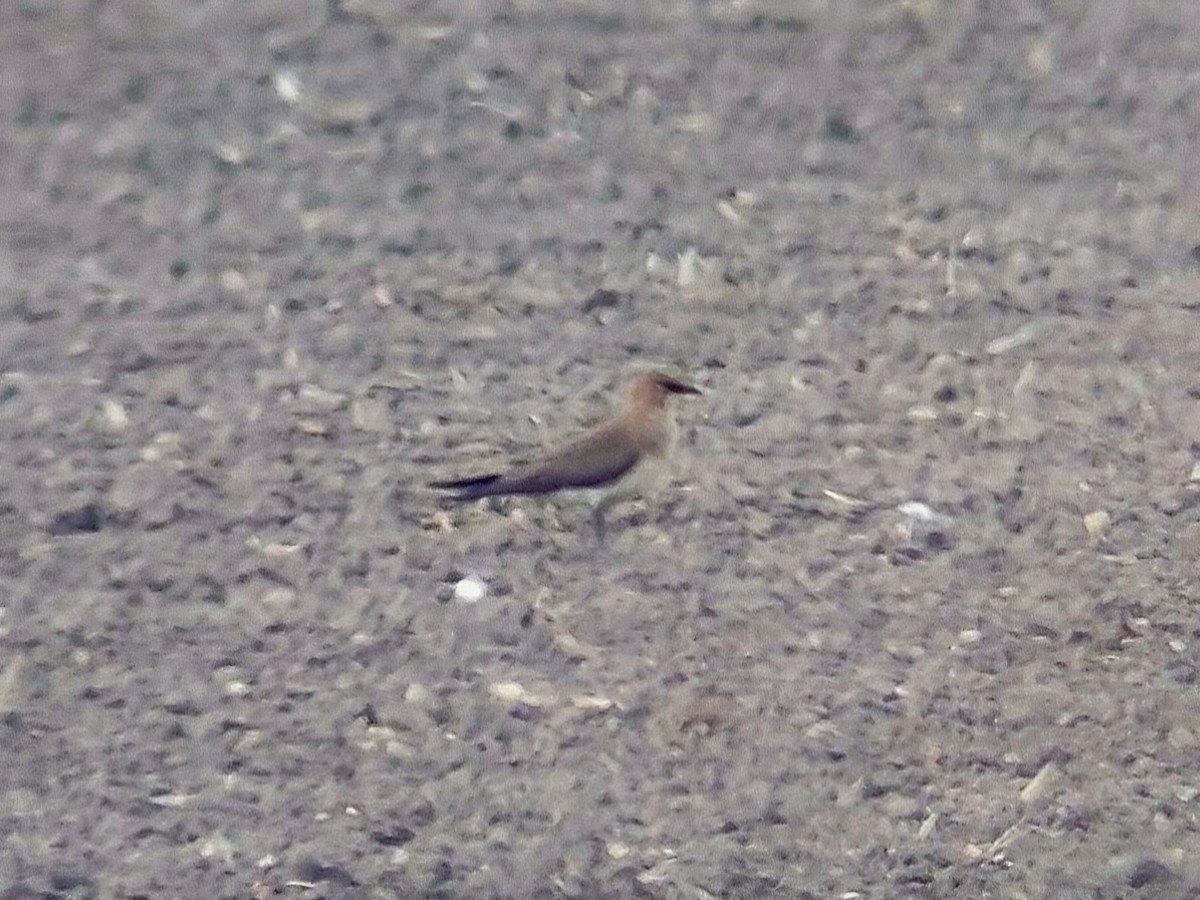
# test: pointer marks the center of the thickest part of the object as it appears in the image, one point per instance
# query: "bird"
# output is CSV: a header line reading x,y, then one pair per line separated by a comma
x,y
617,460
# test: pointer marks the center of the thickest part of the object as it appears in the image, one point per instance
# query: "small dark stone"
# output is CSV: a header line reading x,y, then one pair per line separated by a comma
x,y
29,109
89,518
422,814
394,837
1149,871
442,872
69,881
601,299
209,590
136,89
938,541
523,712
946,394
738,273
313,870
746,417
838,128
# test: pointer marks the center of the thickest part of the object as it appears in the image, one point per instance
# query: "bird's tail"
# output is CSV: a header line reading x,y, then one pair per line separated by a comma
x,y
469,488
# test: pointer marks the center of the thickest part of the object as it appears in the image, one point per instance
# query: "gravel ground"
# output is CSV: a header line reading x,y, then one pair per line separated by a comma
x,y
917,616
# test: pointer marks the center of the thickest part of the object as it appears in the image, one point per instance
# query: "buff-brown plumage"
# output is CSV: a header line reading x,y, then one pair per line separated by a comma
x,y
609,458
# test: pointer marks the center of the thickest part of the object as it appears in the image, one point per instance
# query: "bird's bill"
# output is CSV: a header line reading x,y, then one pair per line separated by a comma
x,y
674,385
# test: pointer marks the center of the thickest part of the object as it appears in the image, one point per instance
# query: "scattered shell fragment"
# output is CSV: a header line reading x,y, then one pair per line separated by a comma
x,y
318,399
922,513
845,500
279,597
1097,523
593,704
575,649
927,827
313,427
1186,793
726,211
513,692
172,801
972,853
1026,334
279,550
693,123
922,414
10,681
438,521
689,267
619,850
114,416
658,268
1039,785
382,297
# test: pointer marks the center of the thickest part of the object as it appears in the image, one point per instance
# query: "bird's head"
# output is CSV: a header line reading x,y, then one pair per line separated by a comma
x,y
650,391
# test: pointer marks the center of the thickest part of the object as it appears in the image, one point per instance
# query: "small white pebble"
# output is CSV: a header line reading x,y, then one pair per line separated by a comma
x,y
115,417
231,281
618,850
657,267
416,693
1177,645
918,511
287,86
471,589
514,692
970,635
382,297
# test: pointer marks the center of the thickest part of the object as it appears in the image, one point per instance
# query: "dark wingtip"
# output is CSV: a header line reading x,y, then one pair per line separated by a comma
x,y
467,488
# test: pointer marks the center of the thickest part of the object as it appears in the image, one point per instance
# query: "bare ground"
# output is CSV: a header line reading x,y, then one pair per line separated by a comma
x,y
918,617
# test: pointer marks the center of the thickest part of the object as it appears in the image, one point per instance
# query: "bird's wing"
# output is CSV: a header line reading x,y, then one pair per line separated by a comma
x,y
596,460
